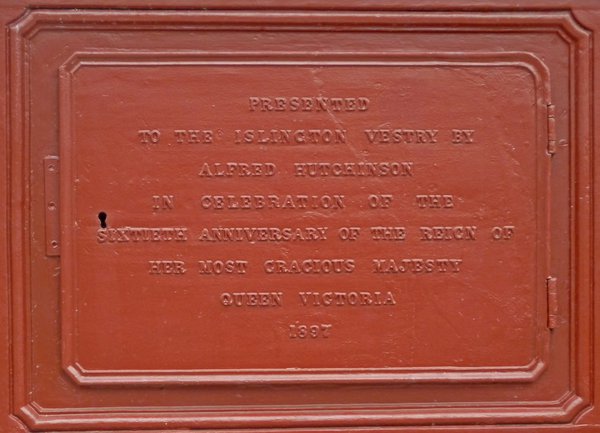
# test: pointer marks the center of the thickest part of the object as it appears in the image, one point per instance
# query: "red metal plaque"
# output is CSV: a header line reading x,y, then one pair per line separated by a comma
x,y
319,217
342,237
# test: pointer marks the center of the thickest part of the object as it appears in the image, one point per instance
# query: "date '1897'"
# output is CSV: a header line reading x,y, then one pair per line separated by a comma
x,y
304,331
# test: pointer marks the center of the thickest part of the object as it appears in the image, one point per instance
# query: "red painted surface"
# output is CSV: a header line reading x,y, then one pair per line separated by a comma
x,y
256,218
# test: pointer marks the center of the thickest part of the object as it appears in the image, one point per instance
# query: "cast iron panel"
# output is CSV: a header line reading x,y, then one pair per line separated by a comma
x,y
316,217
361,218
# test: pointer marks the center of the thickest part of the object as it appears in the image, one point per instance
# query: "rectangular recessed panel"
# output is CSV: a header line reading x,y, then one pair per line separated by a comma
x,y
296,220
316,217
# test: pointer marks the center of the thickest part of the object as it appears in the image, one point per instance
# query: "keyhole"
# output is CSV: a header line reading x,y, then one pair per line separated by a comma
x,y
102,217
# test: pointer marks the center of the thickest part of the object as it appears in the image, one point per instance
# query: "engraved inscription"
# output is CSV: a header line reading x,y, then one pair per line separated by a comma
x,y
142,234
310,266
167,267
163,202
388,233
241,169
503,233
354,169
218,267
435,201
290,136
463,136
193,136
319,217
308,103
252,299
262,234
387,136
302,331
416,266
272,201
341,299
440,233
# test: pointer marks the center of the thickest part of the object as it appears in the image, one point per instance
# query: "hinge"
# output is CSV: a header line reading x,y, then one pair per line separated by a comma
x,y
551,130
552,291
51,195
